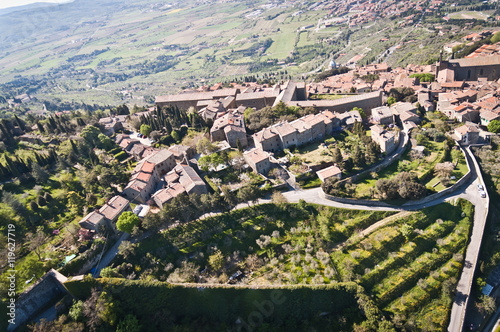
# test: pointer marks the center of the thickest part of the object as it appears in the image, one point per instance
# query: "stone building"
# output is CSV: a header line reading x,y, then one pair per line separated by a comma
x,y
258,160
230,127
182,179
385,139
469,69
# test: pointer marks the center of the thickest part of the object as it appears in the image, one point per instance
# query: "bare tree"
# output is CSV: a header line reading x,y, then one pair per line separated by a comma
x,y
36,241
444,170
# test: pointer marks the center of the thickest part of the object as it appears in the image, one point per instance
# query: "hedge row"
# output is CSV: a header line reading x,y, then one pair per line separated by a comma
x,y
223,305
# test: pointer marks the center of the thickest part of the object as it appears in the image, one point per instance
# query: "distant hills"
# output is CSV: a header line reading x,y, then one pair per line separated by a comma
x,y
31,6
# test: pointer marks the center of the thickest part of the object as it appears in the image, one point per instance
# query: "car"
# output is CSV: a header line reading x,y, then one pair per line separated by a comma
x,y
480,187
235,277
482,193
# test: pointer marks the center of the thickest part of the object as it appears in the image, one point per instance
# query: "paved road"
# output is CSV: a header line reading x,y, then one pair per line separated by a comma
x,y
464,286
110,254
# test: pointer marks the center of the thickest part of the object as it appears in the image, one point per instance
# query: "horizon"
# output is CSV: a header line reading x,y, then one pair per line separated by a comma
x,y
4,4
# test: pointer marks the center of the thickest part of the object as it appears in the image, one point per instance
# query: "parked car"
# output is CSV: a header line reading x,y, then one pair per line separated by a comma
x,y
482,193
480,187
235,277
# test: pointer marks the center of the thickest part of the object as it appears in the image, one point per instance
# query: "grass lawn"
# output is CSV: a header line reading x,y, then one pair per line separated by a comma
x,y
313,182
312,153
469,15
419,167
327,96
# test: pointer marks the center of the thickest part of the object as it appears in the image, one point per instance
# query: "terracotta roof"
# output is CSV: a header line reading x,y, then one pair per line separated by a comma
x,y
488,115
284,129
300,125
477,61
166,194
114,208
160,156
328,172
336,102
265,134
147,167
188,177
137,185
93,218
256,155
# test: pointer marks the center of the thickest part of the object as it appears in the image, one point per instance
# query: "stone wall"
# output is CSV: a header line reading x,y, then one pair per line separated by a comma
x,y
45,291
464,180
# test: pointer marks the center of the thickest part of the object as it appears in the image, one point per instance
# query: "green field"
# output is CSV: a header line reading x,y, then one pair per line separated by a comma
x,y
469,15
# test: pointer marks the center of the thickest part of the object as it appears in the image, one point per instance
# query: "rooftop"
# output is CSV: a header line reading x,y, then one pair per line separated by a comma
x,y
160,156
329,172
256,155
114,207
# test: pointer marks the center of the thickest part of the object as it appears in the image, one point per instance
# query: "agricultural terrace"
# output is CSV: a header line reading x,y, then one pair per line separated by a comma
x,y
417,257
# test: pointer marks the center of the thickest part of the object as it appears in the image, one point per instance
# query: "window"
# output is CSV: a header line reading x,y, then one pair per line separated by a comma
x,y
468,73
481,72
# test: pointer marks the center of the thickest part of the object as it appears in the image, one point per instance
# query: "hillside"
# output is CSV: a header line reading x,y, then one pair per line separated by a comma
x,y
115,51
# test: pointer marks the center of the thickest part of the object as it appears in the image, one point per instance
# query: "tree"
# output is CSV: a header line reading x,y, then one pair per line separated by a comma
x,y
238,145
278,198
391,100
495,38
406,231
176,136
41,201
122,110
34,206
358,158
127,221
109,272
337,155
99,308
91,135
444,170
75,200
76,311
372,152
126,248
39,174
386,188
230,198
486,305
129,324
205,146
104,142
155,135
36,241
494,126
248,193
145,129
216,260
347,165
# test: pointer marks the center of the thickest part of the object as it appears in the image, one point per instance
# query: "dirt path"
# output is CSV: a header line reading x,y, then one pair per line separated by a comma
x,y
375,226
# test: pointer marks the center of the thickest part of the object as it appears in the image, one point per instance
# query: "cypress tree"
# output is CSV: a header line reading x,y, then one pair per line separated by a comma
x,y
40,128
20,123
73,146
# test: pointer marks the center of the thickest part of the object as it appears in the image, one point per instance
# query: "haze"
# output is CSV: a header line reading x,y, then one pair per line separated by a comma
x,y
15,3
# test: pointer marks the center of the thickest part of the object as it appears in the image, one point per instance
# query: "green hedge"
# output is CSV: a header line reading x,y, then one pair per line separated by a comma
x,y
120,156
220,306
211,184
